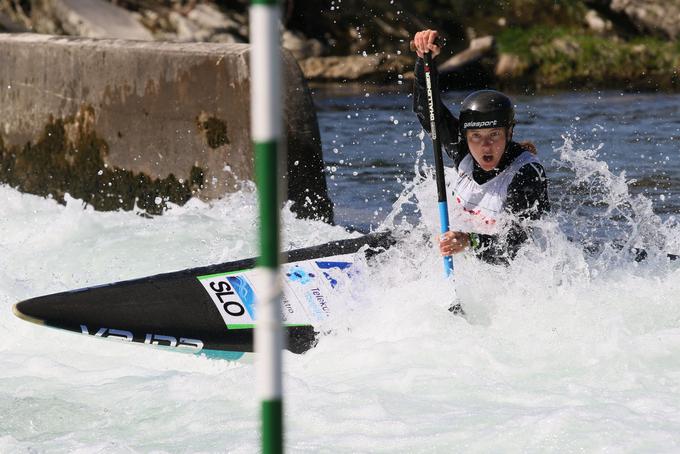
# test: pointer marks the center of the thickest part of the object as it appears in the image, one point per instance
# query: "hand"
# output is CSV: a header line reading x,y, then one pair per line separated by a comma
x,y
423,42
453,242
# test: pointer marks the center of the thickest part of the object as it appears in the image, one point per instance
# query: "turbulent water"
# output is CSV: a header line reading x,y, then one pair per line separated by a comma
x,y
563,351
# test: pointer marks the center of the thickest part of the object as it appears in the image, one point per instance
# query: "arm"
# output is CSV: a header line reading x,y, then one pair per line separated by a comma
x,y
527,201
425,41
448,124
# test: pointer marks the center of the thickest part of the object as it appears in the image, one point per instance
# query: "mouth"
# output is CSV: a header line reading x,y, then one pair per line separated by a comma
x,y
488,158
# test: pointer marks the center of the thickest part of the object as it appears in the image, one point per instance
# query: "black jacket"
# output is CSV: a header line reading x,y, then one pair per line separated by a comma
x,y
527,193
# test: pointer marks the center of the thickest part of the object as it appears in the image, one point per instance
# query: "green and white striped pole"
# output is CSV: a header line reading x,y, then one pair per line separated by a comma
x,y
266,126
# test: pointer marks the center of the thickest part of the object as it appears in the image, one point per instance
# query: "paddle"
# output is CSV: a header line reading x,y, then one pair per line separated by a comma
x,y
433,107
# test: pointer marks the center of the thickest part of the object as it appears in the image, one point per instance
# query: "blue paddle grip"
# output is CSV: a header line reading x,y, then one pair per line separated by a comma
x,y
444,223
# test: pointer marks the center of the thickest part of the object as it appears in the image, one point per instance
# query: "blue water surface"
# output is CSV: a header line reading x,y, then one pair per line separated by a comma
x,y
370,140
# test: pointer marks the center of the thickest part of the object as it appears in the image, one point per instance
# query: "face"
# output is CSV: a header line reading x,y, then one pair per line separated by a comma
x,y
486,146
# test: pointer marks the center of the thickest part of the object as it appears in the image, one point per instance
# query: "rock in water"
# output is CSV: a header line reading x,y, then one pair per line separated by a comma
x,y
97,19
657,16
7,25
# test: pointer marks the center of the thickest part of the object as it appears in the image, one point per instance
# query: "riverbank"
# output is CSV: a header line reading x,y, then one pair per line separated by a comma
x,y
628,45
563,58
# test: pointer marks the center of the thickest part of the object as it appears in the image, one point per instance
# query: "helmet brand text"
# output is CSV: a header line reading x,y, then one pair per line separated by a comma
x,y
480,124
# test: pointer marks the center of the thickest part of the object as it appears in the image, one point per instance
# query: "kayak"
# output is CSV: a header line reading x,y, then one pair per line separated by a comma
x,y
211,308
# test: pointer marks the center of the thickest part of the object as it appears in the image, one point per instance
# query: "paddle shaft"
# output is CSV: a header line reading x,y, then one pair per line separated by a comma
x,y
438,161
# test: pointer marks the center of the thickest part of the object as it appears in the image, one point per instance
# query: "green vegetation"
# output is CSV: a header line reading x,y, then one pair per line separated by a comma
x,y
561,57
551,39
69,158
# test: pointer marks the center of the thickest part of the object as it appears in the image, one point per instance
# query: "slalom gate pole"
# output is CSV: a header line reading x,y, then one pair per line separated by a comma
x,y
438,161
266,126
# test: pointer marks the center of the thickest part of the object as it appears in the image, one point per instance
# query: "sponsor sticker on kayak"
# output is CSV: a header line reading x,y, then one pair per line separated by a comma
x,y
307,286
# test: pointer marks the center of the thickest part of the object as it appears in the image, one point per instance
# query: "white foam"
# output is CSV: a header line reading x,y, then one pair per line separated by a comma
x,y
561,352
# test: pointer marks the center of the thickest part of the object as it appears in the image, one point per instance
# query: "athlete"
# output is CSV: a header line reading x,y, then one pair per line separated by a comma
x,y
499,186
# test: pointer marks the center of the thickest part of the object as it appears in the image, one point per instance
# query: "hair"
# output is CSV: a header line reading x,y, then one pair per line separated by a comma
x,y
529,146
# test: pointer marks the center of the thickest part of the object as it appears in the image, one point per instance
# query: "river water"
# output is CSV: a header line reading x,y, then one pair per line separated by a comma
x,y
562,351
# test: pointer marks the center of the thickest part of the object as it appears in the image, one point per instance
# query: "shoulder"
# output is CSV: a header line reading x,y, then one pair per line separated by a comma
x,y
528,190
532,171
529,179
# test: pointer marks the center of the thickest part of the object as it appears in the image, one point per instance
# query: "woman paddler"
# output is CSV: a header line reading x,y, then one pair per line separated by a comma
x,y
499,184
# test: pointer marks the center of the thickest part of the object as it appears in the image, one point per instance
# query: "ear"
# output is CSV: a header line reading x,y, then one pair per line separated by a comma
x,y
509,132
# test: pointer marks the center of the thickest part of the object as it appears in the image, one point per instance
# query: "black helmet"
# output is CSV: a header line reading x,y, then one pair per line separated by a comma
x,y
486,109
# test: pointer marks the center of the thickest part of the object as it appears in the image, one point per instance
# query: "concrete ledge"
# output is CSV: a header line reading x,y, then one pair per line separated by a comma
x,y
122,123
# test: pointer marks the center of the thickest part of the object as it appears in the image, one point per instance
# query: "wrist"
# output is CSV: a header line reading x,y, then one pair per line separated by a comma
x,y
473,239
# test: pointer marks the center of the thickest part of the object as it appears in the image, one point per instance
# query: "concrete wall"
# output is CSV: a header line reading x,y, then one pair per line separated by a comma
x,y
122,123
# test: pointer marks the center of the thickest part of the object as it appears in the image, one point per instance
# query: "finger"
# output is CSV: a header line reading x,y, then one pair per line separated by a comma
x,y
431,36
415,46
427,39
422,41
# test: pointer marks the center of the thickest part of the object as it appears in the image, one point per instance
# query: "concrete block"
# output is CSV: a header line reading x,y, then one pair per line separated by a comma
x,y
125,124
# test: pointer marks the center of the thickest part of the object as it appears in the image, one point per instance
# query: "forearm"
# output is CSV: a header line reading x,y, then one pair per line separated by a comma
x,y
447,124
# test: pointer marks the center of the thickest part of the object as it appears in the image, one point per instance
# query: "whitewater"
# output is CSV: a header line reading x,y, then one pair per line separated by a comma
x,y
562,351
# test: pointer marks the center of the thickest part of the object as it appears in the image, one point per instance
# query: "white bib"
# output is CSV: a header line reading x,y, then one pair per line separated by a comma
x,y
480,208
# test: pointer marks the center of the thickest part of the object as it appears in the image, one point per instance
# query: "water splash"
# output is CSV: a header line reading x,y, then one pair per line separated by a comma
x,y
563,350
597,208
